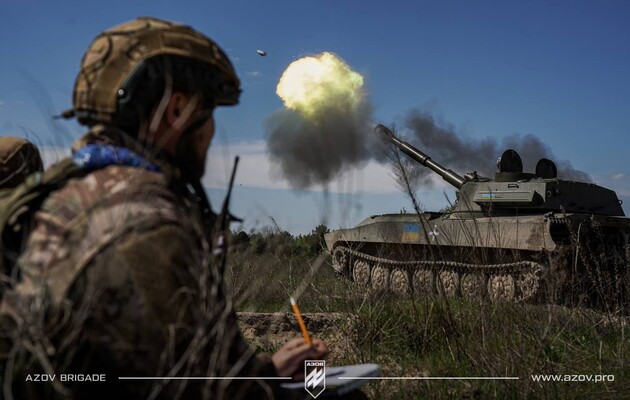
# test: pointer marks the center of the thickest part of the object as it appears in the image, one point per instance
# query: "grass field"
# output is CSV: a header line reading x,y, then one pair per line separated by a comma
x,y
439,337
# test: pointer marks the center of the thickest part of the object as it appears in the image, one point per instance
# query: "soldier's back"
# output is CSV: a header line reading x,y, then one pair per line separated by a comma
x,y
106,279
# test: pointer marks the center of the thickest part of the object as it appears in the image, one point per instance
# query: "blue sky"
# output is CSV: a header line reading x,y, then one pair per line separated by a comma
x,y
555,69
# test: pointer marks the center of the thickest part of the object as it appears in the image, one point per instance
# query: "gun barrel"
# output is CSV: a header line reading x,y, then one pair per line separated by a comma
x,y
448,175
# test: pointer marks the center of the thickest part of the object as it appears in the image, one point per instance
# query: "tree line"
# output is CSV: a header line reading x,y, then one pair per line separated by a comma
x,y
281,242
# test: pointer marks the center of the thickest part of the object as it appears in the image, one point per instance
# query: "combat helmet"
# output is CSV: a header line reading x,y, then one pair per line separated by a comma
x,y
117,56
18,159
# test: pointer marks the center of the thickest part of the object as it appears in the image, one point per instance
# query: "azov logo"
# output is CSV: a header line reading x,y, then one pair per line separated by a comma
x,y
315,373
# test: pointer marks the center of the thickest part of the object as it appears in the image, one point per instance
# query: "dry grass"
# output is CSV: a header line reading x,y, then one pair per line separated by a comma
x,y
440,337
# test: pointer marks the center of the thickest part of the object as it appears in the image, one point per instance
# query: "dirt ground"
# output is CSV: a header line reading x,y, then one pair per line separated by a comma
x,y
268,331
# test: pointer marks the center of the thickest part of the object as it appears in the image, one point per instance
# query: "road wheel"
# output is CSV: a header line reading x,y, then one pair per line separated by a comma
x,y
423,282
399,282
380,277
449,283
361,273
340,261
501,288
473,286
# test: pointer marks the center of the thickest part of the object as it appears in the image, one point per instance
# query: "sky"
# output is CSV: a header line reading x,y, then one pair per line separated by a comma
x,y
488,70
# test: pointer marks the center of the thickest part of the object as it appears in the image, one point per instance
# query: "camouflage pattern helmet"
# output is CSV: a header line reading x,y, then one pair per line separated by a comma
x,y
117,54
18,159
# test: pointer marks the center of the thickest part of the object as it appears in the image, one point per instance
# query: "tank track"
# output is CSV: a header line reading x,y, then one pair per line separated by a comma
x,y
516,281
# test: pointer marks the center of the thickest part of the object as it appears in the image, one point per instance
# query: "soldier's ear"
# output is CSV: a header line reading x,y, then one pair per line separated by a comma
x,y
175,108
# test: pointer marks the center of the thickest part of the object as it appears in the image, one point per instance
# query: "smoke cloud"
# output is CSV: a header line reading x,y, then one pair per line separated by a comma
x,y
315,151
323,128
445,146
326,128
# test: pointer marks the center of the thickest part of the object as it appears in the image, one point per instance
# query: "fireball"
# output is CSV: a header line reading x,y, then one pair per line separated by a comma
x,y
316,84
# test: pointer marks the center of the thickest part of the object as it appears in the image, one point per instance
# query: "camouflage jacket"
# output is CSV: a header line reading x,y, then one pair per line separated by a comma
x,y
118,278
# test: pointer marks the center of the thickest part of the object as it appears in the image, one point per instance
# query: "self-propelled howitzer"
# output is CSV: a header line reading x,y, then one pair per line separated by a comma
x,y
515,237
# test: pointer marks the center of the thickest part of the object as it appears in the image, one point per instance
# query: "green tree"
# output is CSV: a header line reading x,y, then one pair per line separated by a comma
x,y
310,245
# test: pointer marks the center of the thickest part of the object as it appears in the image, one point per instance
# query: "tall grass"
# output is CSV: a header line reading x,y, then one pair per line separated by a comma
x,y
445,337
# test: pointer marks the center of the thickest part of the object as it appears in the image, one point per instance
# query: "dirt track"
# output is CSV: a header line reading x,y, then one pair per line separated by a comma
x,y
270,330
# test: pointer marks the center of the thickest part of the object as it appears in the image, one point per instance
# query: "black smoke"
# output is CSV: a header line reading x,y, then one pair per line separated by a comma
x,y
445,146
314,151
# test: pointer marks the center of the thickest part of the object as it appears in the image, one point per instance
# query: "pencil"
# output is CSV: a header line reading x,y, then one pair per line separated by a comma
x,y
296,311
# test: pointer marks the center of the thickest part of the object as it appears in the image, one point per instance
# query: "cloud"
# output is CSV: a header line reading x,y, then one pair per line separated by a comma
x,y
617,177
254,74
52,154
231,55
257,170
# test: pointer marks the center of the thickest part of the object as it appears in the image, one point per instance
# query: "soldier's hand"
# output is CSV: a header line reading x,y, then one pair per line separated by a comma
x,y
289,359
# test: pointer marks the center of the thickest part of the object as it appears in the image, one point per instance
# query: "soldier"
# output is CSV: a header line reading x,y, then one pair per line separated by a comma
x,y
118,275
18,159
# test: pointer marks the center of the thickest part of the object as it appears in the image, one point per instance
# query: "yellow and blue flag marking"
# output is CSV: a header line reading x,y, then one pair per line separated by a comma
x,y
411,233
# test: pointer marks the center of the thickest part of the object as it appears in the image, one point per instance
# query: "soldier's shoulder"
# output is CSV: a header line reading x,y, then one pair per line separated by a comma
x,y
94,213
109,187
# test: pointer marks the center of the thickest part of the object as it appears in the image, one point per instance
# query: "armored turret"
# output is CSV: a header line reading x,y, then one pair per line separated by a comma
x,y
513,190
